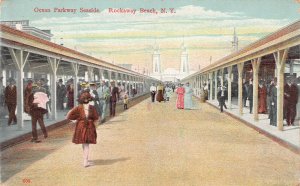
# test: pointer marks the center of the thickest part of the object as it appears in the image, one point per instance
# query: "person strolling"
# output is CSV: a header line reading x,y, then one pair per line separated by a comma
x,y
221,98
188,94
153,92
180,97
87,118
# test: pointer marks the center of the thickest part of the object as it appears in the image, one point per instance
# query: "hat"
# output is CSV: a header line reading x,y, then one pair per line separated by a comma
x,y
60,80
83,84
85,95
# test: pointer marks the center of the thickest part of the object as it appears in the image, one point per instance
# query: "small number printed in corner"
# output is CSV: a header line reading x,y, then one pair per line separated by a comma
x,y
26,181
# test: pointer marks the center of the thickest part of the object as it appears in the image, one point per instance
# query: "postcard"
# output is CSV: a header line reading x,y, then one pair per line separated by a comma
x,y
150,92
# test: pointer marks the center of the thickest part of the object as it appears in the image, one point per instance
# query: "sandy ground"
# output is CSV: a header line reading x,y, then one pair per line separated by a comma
x,y
156,144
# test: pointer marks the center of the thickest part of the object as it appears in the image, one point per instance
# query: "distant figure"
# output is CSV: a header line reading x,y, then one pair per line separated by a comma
x,y
262,98
133,91
269,89
221,98
153,92
87,119
188,94
61,92
94,94
27,92
104,98
245,92
173,87
273,106
291,100
114,97
180,97
205,89
160,93
125,101
70,96
11,101
2,98
168,93
250,95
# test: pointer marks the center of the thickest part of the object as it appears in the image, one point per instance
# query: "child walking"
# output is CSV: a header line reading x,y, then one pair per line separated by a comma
x,y
125,101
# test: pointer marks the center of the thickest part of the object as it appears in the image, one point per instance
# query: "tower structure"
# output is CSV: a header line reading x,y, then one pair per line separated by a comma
x,y
184,61
156,61
235,42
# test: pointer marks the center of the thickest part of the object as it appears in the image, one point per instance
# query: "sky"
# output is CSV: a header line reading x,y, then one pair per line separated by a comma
x,y
205,26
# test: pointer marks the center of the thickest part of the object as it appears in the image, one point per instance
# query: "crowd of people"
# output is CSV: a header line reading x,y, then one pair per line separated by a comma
x,y
37,99
163,93
267,99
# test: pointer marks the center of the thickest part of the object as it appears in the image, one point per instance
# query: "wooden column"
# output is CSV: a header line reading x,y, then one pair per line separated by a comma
x,y
90,74
216,85
240,86
211,86
54,63
75,68
222,76
101,74
19,57
229,70
109,77
255,67
280,59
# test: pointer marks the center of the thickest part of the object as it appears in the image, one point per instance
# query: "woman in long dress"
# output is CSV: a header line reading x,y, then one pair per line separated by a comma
x,y
160,93
87,118
188,102
262,99
180,97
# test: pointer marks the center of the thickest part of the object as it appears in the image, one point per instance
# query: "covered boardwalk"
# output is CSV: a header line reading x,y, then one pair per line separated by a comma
x,y
24,57
166,146
276,55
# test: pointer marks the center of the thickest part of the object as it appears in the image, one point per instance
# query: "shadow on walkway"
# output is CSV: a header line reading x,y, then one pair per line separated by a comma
x,y
109,161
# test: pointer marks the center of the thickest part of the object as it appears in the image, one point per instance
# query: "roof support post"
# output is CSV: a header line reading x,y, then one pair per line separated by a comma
x,y
75,67
216,84
229,70
255,66
19,58
54,63
211,85
280,59
240,86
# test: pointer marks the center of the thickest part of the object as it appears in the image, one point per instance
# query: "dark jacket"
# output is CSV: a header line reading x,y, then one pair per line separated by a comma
x,y
11,95
250,92
114,94
292,93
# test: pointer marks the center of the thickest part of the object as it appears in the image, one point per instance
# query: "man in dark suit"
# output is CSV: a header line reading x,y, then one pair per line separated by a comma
x,y
250,95
245,92
37,105
114,97
11,100
61,92
273,103
290,99
221,98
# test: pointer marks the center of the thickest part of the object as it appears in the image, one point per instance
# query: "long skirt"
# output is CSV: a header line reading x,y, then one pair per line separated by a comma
x,y
159,96
180,101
